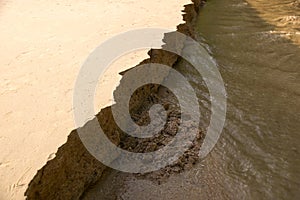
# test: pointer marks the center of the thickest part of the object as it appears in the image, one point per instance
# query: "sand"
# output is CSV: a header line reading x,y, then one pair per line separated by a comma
x,y
43,45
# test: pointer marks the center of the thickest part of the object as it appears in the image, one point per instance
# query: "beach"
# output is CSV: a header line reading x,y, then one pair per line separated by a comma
x,y
44,44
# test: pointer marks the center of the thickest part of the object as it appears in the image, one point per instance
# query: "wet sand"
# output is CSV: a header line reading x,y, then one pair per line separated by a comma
x,y
43,44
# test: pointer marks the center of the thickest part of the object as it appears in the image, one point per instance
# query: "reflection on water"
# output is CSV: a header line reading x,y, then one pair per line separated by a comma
x,y
284,15
258,155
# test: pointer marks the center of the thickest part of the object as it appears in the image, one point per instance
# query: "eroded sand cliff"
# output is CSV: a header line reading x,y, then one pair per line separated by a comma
x,y
73,169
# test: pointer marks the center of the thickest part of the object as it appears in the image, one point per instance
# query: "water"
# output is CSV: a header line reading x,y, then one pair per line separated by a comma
x,y
259,59
256,46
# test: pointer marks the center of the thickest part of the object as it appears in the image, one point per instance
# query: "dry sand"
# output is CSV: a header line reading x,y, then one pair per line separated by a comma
x,y
43,44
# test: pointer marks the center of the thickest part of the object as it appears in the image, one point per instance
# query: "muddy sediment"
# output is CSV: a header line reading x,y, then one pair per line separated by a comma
x,y
74,169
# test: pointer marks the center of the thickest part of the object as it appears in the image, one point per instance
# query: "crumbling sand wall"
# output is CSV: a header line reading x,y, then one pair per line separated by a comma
x,y
74,169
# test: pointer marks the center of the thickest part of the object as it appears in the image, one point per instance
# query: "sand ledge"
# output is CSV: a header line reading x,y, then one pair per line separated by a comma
x,y
73,169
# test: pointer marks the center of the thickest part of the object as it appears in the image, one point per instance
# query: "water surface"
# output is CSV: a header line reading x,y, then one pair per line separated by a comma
x,y
255,45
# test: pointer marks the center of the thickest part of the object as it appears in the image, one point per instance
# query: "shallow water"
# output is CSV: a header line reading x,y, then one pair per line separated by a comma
x,y
259,59
255,44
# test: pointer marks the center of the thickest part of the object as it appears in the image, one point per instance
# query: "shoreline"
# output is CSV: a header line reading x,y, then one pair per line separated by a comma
x,y
43,46
50,181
